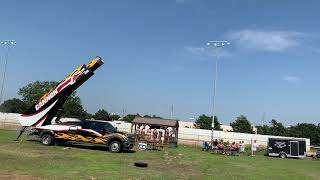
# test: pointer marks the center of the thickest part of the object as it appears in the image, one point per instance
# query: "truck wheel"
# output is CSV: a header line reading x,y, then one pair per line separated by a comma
x,y
115,146
47,139
282,155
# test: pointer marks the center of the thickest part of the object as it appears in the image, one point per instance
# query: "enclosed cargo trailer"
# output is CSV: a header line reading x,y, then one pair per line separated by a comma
x,y
283,148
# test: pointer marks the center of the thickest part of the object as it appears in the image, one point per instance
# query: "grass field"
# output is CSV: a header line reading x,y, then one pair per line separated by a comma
x,y
32,160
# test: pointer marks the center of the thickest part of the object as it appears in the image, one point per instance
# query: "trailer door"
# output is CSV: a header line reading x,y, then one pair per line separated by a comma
x,y
294,148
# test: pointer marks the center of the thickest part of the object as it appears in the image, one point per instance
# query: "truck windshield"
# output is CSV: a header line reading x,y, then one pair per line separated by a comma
x,y
103,127
109,128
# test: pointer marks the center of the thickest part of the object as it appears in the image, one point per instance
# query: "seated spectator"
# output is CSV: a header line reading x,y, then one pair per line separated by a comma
x,y
233,146
220,146
215,144
237,146
205,146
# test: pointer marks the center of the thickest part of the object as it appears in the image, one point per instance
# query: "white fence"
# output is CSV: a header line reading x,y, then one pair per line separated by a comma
x,y
197,136
186,135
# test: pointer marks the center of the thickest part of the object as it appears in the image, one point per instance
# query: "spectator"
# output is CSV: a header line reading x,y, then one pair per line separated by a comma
x,y
237,147
233,146
159,139
254,148
148,133
155,134
242,147
205,146
215,144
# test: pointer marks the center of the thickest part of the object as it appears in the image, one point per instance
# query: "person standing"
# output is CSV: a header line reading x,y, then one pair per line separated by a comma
x,y
242,147
254,147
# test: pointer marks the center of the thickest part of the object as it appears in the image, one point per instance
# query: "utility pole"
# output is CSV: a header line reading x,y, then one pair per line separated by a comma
x,y
263,118
217,45
124,111
171,114
8,44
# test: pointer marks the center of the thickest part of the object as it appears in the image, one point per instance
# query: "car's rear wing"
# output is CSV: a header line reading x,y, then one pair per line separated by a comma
x,y
50,104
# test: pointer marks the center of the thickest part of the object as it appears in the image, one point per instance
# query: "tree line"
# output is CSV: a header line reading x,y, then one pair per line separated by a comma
x,y
243,125
73,108
300,130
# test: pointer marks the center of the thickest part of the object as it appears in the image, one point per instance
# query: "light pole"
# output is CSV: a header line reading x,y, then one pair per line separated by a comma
x,y
8,44
217,45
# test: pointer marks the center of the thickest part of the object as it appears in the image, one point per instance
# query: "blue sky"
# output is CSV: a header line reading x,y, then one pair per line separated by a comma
x,y
156,55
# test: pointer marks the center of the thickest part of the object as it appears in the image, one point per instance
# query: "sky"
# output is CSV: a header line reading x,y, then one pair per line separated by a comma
x,y
156,55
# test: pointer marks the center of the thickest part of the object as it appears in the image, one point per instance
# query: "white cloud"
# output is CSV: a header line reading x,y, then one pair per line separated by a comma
x,y
202,51
276,41
291,79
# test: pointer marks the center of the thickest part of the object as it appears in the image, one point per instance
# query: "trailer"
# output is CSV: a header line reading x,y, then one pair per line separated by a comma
x,y
285,147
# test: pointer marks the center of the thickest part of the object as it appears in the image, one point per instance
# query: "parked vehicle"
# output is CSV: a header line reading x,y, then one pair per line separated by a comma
x,y
284,148
318,154
90,132
39,117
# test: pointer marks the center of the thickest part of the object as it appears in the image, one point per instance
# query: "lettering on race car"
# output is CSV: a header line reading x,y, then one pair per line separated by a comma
x,y
68,82
46,99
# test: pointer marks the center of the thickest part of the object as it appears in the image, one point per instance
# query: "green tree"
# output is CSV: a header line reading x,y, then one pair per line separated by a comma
x,y
32,92
156,117
72,108
102,114
306,130
130,117
265,130
115,117
88,116
242,125
277,128
153,116
205,122
13,106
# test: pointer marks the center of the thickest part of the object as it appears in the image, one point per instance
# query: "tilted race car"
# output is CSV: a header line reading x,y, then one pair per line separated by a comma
x,y
49,107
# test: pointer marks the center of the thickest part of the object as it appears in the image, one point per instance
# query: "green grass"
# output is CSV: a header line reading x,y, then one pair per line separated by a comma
x,y
32,160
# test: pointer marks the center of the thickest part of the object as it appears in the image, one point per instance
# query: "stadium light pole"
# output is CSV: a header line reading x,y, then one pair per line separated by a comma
x,y
217,45
7,44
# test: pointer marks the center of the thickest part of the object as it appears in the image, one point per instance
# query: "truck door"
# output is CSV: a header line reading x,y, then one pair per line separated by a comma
x,y
294,148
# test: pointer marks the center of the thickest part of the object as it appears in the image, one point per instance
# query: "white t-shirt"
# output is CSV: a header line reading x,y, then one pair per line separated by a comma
x,y
254,147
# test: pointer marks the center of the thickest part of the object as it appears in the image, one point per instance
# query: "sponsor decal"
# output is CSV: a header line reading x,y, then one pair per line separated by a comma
x,y
280,145
44,100
67,82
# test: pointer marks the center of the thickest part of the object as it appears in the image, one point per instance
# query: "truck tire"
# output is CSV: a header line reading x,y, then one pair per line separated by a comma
x,y
282,155
115,146
47,139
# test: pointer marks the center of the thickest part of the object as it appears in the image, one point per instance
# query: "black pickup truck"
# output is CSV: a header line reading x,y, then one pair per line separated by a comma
x,y
92,132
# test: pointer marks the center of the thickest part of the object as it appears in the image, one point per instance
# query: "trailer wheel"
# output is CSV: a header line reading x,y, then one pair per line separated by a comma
x,y
115,146
282,155
47,139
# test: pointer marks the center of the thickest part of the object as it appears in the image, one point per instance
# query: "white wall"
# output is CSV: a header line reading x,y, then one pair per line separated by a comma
x,y
195,136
